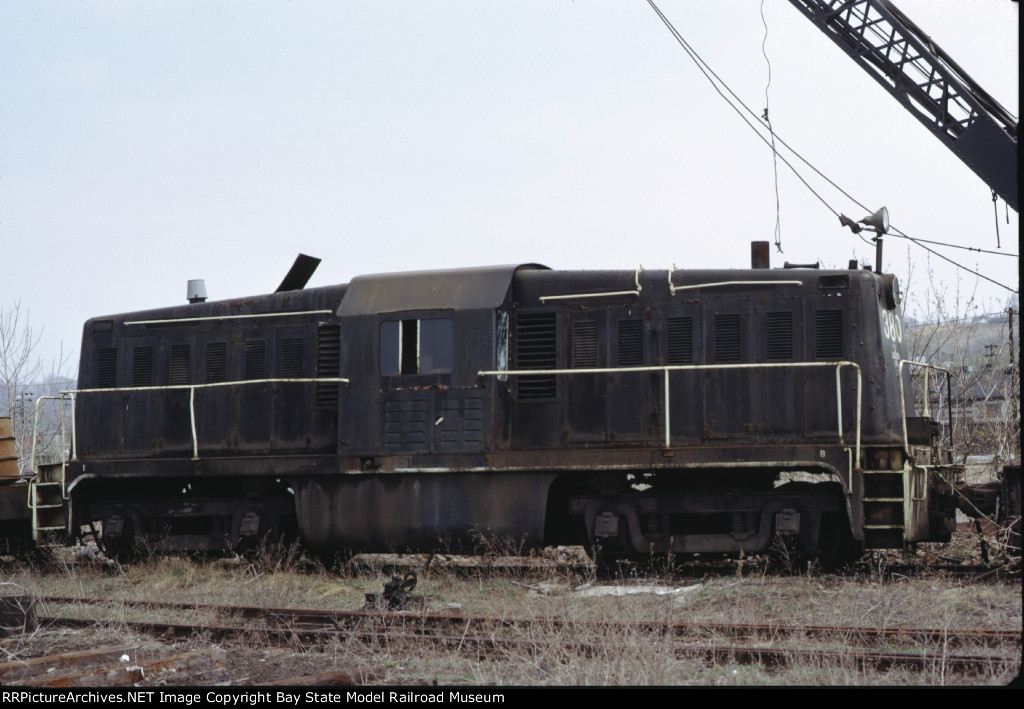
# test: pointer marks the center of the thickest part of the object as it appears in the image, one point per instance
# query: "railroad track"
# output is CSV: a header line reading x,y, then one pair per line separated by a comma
x,y
487,636
293,619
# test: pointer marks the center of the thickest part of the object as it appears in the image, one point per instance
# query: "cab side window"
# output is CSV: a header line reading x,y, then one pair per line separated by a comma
x,y
421,346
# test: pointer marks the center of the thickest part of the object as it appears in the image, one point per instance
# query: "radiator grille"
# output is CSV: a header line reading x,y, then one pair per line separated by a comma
x,y
216,362
328,364
727,338
179,372
778,335
680,340
255,359
631,343
535,349
142,367
106,368
291,358
584,344
828,334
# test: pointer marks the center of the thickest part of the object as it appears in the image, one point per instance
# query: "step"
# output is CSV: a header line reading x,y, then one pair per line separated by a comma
x,y
883,483
888,513
50,474
883,536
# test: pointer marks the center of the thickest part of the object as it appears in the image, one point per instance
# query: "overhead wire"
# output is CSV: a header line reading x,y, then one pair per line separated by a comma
x,y
708,72
771,131
706,69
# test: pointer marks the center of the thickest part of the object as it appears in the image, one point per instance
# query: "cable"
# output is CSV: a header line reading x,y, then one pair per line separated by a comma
x,y
958,246
838,187
897,232
701,66
708,72
995,210
963,319
768,120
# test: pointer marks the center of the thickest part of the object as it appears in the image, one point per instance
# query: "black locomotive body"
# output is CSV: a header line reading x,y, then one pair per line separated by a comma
x,y
684,411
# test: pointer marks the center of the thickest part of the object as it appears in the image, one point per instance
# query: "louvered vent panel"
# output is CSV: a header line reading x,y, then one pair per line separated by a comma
x,y
584,344
291,358
142,367
680,340
535,349
179,373
216,362
255,359
106,368
778,336
828,334
328,364
834,282
631,343
727,338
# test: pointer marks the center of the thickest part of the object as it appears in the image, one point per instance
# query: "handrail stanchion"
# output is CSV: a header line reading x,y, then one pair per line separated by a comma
x,y
192,399
666,369
667,408
839,402
192,420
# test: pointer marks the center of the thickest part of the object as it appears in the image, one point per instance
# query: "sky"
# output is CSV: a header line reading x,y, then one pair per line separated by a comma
x,y
143,144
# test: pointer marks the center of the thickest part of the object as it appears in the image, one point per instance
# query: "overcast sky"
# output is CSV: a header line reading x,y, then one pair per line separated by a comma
x,y
146,143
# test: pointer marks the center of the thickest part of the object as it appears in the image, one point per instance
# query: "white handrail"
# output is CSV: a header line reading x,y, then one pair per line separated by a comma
x,y
903,400
192,398
35,428
238,316
604,294
665,369
719,284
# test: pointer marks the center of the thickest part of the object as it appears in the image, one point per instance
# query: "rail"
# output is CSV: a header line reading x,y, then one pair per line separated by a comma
x,y
63,428
35,481
73,393
673,288
603,294
667,369
236,316
927,407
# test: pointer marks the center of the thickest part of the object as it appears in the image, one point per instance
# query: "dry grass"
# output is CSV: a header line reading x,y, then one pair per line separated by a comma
x,y
541,645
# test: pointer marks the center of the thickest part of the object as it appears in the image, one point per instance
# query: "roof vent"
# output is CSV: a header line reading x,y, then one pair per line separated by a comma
x,y
197,291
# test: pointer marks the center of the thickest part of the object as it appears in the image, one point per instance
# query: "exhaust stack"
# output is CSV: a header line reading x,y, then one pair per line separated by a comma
x,y
759,255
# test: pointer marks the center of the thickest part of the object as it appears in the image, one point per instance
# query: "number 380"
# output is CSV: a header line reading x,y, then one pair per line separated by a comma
x,y
892,328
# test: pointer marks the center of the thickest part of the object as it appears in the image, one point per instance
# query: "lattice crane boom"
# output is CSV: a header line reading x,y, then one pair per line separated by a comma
x,y
927,82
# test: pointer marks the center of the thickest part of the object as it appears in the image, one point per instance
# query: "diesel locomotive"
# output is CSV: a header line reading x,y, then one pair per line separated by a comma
x,y
633,412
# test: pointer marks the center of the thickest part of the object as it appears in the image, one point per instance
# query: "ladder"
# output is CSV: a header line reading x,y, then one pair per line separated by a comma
x,y
883,507
47,490
46,502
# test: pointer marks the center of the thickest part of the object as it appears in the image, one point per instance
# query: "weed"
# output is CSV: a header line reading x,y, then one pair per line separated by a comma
x,y
548,633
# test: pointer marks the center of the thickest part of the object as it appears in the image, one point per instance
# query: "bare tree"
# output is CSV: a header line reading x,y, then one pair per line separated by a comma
x,y
23,379
975,342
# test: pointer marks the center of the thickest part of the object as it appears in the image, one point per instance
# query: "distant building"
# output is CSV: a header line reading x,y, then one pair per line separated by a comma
x,y
984,383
